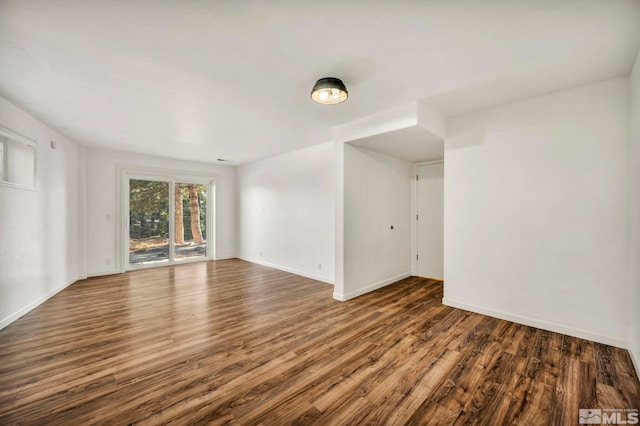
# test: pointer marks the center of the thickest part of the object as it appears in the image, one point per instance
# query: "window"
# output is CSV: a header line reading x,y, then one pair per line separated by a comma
x,y
3,142
167,217
17,159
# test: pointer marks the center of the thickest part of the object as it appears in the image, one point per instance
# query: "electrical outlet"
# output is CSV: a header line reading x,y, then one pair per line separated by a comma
x,y
320,266
107,261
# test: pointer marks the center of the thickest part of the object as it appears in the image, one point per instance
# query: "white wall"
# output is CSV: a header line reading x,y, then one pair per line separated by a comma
x,y
286,207
39,230
430,226
634,215
101,182
536,212
377,195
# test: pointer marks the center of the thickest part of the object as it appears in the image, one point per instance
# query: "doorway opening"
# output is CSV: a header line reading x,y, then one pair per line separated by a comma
x,y
430,220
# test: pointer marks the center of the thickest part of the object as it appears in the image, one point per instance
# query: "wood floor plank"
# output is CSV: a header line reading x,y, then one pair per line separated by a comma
x,y
235,343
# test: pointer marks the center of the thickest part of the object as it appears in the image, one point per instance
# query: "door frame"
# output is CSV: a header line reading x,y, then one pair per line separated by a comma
x,y
124,174
414,213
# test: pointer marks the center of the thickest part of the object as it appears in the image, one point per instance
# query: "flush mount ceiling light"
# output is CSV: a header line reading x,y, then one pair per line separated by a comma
x,y
329,91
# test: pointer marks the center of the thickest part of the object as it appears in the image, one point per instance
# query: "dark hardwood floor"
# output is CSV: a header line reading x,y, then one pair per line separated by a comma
x,y
231,342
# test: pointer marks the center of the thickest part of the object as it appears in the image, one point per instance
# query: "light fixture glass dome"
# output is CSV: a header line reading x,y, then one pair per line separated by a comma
x,y
329,91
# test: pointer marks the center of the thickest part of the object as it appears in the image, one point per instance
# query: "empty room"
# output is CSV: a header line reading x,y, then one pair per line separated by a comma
x,y
333,213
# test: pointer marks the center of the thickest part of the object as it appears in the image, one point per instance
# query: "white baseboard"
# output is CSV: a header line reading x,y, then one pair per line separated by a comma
x,y
102,274
11,318
344,297
544,325
116,272
635,358
226,258
290,270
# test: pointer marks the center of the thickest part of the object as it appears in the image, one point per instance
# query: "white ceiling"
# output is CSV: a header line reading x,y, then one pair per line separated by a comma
x,y
414,144
230,79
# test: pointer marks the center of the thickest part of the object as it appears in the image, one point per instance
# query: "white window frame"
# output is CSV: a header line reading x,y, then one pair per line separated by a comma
x,y
125,173
3,158
10,134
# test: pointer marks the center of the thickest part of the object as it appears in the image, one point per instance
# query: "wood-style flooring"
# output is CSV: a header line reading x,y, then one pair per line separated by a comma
x,y
231,342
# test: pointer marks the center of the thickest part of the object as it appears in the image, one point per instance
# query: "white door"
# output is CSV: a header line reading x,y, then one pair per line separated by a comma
x,y
430,221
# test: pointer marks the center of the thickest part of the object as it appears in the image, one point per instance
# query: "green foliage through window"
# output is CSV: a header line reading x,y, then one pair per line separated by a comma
x,y
149,209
